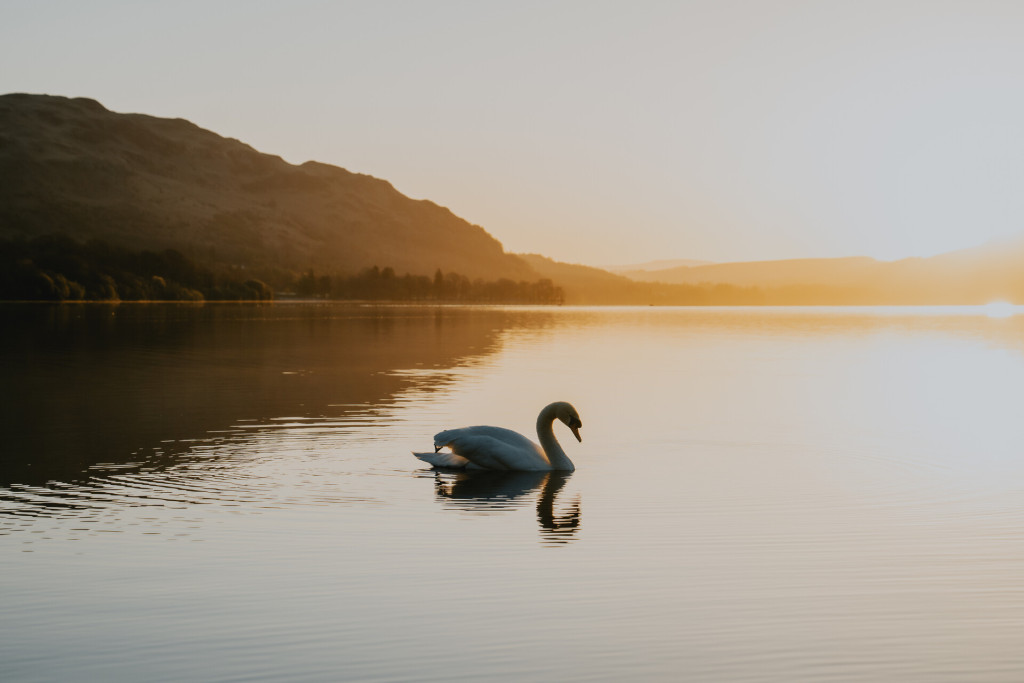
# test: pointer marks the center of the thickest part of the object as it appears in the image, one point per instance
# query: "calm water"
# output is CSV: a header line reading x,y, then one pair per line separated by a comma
x,y
227,494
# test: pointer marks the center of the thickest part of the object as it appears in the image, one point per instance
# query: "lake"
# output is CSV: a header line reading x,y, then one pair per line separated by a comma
x,y
226,493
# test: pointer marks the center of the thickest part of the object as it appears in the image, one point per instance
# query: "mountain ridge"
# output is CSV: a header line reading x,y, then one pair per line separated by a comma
x,y
144,182
141,182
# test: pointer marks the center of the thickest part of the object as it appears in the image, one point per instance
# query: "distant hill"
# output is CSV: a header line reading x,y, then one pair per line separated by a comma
x,y
970,276
141,182
584,285
781,273
663,264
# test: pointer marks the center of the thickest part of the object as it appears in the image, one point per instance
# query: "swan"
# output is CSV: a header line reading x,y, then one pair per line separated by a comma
x,y
496,448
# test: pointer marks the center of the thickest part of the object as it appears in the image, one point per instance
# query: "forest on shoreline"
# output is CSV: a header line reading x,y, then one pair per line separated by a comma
x,y
377,284
58,268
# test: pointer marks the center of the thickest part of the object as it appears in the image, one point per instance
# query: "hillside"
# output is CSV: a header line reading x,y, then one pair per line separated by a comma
x,y
142,182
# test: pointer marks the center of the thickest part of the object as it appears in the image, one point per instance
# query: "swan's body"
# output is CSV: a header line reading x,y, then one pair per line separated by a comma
x,y
496,448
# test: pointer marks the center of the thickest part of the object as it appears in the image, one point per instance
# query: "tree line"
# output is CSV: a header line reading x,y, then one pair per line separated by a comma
x,y
58,268
383,284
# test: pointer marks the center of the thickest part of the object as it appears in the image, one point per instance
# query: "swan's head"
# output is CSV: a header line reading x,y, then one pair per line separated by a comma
x,y
568,415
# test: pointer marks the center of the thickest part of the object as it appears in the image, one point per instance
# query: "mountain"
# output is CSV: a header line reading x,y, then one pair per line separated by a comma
x,y
145,183
142,182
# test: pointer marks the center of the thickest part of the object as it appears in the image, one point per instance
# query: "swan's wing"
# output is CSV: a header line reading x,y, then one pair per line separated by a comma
x,y
453,437
493,448
443,459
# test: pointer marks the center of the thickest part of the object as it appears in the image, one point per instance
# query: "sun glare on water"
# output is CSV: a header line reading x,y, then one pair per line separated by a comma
x,y
999,309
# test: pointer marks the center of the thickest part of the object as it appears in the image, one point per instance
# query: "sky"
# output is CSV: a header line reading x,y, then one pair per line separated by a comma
x,y
593,132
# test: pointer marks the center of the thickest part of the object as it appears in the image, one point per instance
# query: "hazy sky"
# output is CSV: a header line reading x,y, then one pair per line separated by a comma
x,y
593,132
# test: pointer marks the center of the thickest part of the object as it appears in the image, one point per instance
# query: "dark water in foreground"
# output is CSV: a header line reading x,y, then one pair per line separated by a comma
x,y
226,493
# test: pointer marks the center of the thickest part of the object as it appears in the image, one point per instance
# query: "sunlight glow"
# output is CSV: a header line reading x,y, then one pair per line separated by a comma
x,y
999,309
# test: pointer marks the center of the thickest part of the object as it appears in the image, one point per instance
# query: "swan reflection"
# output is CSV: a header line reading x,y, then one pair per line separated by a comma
x,y
487,492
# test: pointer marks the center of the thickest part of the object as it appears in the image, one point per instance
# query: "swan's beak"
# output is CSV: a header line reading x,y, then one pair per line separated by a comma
x,y
576,433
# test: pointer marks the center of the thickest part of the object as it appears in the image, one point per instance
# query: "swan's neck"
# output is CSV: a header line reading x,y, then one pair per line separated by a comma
x,y
545,432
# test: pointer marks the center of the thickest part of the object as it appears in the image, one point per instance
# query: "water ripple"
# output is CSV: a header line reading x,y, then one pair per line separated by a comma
x,y
240,466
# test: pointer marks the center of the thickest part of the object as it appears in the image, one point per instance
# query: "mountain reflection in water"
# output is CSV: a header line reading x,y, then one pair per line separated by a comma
x,y
95,388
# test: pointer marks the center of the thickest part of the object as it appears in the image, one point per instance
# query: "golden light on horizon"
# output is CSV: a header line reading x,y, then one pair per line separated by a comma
x,y
1000,309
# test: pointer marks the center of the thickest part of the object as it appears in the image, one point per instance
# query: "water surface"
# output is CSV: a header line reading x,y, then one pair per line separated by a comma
x,y
226,493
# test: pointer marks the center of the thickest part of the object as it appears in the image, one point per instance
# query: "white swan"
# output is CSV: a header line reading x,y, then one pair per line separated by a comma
x,y
496,448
